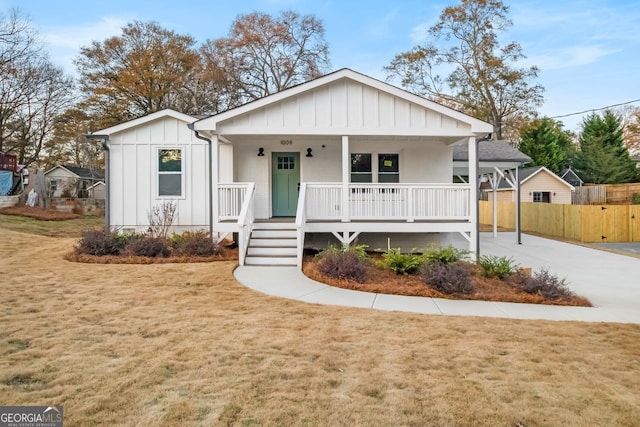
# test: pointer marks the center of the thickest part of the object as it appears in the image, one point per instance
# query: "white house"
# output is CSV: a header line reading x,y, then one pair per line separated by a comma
x,y
343,156
72,181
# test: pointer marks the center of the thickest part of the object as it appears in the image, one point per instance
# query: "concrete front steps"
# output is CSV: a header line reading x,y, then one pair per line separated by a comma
x,y
272,244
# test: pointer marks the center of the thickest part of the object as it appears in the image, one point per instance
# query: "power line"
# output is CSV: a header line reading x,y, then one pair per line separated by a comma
x,y
595,109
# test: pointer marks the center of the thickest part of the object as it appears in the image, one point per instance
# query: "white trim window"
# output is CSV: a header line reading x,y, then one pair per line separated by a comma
x,y
170,172
388,168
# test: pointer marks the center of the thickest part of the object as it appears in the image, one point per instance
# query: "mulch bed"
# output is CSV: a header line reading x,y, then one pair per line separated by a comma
x,y
226,254
39,213
384,281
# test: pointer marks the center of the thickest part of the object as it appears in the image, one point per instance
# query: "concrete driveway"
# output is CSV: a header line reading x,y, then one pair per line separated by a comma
x,y
610,281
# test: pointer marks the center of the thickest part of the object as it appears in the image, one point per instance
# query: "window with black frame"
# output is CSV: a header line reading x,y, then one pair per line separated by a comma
x,y
388,168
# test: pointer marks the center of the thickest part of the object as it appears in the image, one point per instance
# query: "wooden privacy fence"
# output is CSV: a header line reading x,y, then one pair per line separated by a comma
x,y
613,194
584,223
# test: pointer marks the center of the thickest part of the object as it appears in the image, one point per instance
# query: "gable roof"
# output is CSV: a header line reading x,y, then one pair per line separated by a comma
x,y
526,174
80,172
569,175
491,151
210,123
146,119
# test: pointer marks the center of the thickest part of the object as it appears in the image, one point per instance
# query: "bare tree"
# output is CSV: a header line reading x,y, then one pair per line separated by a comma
x,y
264,54
32,90
485,81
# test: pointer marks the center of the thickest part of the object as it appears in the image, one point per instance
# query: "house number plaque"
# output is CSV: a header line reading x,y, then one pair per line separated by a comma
x,y
286,142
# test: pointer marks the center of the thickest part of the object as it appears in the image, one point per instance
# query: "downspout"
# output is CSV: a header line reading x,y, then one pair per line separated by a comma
x,y
518,207
107,196
211,194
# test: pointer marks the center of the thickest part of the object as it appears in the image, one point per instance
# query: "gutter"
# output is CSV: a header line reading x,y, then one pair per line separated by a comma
x,y
107,197
211,195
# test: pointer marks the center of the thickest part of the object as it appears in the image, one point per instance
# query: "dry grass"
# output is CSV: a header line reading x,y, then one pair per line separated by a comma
x,y
46,227
184,344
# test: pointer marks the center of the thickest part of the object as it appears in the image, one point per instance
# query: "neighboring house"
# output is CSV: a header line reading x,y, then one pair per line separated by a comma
x,y
8,168
571,177
537,184
72,181
97,190
341,157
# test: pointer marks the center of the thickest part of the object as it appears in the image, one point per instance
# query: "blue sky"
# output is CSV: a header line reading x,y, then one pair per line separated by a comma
x,y
588,50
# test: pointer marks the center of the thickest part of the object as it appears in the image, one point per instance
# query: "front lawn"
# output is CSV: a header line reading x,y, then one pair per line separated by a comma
x,y
185,344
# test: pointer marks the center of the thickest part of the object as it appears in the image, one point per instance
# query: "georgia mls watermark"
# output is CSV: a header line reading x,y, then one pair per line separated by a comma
x,y
31,416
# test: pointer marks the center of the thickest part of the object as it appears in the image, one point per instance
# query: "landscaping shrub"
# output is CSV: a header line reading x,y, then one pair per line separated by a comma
x,y
147,246
494,266
100,242
194,243
444,255
542,283
400,263
450,278
343,263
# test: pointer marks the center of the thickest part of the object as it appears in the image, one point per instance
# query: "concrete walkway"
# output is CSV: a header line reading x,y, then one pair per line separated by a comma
x,y
610,281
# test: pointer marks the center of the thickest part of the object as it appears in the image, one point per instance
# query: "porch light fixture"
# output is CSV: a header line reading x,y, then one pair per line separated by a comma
x,y
260,152
309,154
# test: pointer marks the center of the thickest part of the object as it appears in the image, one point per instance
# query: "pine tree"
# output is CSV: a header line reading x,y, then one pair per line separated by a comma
x,y
547,144
603,158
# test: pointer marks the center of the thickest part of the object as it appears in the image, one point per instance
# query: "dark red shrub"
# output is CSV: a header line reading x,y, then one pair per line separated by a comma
x,y
343,265
450,279
100,242
147,246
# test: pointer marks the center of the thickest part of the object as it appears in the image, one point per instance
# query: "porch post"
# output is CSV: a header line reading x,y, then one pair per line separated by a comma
x,y
346,169
474,242
215,179
494,188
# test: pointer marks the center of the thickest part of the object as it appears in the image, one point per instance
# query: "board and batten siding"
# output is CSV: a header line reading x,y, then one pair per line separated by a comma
x,y
133,175
344,105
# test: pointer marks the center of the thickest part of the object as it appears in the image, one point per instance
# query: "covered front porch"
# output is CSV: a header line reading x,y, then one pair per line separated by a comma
x,y
346,209
343,154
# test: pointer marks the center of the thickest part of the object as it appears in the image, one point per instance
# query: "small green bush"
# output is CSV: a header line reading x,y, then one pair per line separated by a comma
x,y
359,250
343,263
542,283
147,246
444,255
400,263
451,278
101,242
194,243
494,266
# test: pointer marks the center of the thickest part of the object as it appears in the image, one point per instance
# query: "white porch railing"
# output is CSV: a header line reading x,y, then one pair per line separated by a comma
x,y
236,206
301,218
246,218
231,198
404,202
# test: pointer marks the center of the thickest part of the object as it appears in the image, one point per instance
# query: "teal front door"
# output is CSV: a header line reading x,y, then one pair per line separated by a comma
x,y
285,182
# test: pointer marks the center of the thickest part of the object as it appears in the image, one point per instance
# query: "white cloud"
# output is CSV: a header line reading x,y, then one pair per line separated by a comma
x,y
81,35
419,33
573,56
